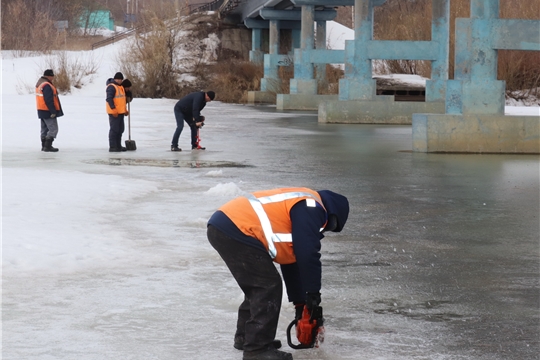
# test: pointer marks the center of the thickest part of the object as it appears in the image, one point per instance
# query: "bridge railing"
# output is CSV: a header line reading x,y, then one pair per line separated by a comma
x,y
117,37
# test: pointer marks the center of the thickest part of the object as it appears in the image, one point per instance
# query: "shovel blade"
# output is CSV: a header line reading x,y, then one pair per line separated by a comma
x,y
130,145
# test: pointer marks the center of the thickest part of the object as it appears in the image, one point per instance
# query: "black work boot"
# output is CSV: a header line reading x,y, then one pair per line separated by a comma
x,y
43,143
270,354
48,145
239,343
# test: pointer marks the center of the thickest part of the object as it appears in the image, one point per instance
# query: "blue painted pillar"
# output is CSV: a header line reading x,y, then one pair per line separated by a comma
x,y
271,81
475,88
440,34
320,44
255,54
274,37
295,39
358,83
303,82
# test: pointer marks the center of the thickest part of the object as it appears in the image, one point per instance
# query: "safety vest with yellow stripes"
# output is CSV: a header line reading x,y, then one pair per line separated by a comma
x,y
119,100
264,215
40,100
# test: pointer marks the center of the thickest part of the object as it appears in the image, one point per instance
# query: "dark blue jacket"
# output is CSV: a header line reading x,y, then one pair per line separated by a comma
x,y
191,106
111,92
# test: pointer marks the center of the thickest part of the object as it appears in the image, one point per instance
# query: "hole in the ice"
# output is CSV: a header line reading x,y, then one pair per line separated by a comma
x,y
167,163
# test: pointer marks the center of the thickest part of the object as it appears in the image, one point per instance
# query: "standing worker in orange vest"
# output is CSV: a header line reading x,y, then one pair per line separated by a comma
x,y
283,226
49,109
116,108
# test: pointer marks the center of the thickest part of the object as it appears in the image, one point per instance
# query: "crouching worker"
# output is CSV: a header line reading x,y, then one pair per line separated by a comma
x,y
281,225
48,109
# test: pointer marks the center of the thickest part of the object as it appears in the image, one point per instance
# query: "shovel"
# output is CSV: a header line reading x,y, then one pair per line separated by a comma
x,y
130,144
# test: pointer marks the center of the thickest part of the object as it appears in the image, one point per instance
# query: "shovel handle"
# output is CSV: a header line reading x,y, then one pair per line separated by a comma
x,y
129,121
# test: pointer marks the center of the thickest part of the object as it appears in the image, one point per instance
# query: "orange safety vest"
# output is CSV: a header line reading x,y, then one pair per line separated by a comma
x,y
119,100
264,215
40,100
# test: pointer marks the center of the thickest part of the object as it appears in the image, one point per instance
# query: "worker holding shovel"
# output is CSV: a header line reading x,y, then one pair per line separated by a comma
x,y
116,109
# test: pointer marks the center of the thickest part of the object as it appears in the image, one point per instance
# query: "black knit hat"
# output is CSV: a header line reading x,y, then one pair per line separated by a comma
x,y
126,83
119,75
211,95
48,72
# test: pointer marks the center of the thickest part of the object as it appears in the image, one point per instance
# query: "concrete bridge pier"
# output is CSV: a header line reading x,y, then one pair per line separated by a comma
x,y
304,85
358,102
256,55
270,83
474,119
303,81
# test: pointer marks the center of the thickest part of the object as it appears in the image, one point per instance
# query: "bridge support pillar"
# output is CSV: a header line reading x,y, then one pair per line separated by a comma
x,y
271,81
304,86
359,85
474,121
303,81
256,55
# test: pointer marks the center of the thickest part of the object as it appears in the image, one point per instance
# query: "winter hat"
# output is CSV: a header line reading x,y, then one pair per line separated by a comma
x,y
336,206
211,95
119,75
126,83
48,72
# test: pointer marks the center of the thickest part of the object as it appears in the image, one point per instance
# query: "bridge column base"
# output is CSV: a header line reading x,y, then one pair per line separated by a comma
x,y
301,101
476,134
261,97
382,111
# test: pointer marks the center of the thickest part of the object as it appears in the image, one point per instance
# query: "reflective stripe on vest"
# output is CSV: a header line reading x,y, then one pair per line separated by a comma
x,y
119,100
271,237
40,100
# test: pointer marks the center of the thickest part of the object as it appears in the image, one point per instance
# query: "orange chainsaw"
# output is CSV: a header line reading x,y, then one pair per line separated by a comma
x,y
309,329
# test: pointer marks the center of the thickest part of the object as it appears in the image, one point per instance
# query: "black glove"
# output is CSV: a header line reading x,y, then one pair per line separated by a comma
x,y
298,308
312,300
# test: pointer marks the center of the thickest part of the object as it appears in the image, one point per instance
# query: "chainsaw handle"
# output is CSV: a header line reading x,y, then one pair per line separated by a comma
x,y
289,340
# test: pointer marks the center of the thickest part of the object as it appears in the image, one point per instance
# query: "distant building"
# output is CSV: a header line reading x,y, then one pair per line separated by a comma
x,y
97,19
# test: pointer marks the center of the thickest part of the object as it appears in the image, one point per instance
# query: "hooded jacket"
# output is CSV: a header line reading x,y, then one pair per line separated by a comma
x,y
304,274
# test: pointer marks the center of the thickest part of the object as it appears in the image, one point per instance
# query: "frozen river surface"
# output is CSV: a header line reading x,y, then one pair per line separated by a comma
x,y
105,255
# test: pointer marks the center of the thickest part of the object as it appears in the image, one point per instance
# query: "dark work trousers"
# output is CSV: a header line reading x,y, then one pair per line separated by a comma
x,y
116,129
180,118
179,126
261,283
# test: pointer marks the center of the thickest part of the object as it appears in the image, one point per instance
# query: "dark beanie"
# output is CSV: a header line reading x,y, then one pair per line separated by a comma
x,y
211,95
48,72
119,75
126,83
